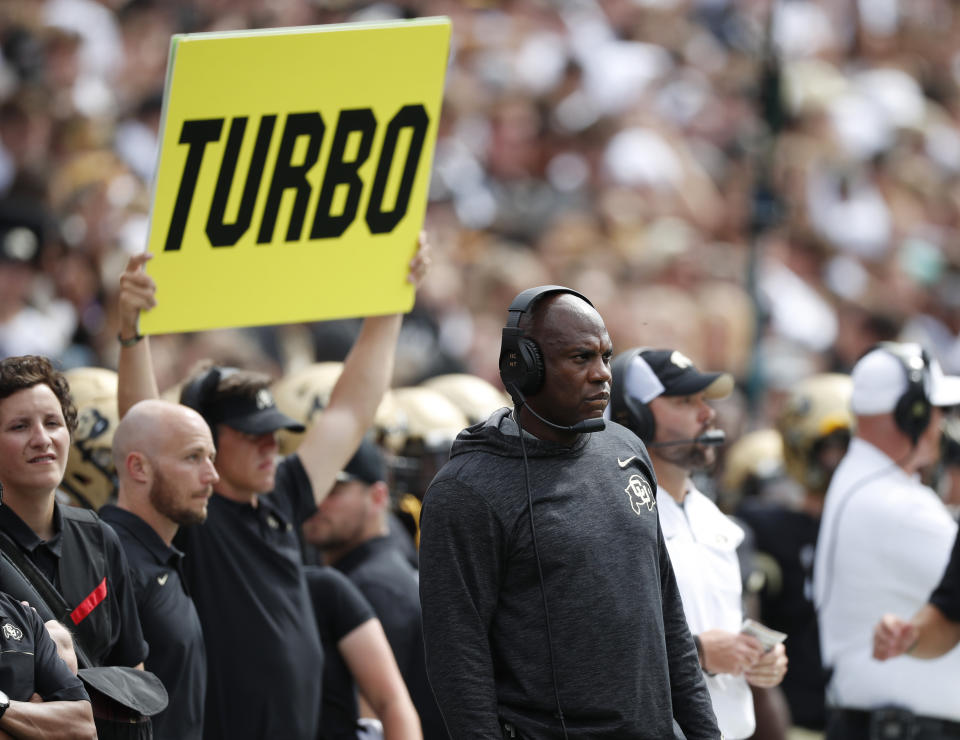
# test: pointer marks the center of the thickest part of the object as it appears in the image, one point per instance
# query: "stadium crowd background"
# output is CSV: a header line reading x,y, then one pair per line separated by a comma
x,y
769,186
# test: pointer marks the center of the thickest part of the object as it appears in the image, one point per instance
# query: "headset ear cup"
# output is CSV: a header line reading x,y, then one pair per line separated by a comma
x,y
642,421
532,367
647,424
913,411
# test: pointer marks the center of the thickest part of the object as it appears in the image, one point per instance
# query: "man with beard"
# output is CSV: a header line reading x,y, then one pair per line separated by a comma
x,y
660,396
350,529
164,455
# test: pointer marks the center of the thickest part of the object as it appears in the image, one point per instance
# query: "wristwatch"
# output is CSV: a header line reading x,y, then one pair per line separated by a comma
x,y
4,703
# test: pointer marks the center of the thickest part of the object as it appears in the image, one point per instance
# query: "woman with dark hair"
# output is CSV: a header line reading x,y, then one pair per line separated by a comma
x,y
79,556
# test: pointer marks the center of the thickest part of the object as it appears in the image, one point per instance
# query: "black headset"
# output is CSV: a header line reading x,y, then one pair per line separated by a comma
x,y
624,409
913,409
522,372
521,360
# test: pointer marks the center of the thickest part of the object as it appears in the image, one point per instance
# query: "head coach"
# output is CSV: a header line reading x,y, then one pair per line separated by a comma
x,y
550,609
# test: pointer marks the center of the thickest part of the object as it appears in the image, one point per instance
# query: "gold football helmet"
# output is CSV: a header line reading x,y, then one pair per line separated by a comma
x,y
90,479
816,424
473,395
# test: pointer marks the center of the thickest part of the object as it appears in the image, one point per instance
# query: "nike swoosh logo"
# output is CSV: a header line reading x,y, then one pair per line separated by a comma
x,y
624,463
162,580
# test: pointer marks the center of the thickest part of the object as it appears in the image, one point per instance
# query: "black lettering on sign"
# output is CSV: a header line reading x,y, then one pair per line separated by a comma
x,y
220,233
287,176
340,172
413,117
197,134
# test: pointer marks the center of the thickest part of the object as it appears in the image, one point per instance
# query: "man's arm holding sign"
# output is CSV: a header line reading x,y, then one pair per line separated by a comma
x,y
135,366
336,434
367,371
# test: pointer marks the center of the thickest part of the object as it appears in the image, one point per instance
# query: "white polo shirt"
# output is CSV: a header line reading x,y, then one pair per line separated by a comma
x,y
884,542
702,543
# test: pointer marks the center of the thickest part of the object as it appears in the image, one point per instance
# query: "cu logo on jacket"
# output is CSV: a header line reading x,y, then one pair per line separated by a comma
x,y
640,494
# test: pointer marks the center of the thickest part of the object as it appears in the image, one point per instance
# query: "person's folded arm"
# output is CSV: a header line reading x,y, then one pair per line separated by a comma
x,y
49,720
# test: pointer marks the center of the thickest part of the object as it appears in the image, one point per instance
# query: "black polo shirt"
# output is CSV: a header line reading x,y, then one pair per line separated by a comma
x,y
946,597
86,564
170,624
243,569
28,658
340,609
391,585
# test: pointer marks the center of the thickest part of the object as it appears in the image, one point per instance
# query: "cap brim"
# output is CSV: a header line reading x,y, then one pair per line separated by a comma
x,y
138,690
946,391
264,422
712,385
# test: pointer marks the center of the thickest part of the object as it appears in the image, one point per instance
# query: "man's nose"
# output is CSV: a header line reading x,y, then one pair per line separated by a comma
x,y
707,412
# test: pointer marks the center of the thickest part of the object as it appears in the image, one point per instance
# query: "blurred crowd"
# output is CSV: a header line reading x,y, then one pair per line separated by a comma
x,y
769,186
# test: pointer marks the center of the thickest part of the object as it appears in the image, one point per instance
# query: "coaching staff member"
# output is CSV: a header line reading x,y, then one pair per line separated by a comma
x,y
243,565
163,453
885,539
566,624
31,667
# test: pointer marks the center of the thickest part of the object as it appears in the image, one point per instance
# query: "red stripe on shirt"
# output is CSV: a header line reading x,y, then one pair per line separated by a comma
x,y
90,603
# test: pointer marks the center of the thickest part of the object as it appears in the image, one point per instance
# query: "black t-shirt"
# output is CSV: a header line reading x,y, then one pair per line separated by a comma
x,y
790,538
87,565
243,569
392,586
946,597
340,609
170,624
28,658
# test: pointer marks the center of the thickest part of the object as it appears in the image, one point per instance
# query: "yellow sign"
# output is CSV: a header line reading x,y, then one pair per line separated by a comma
x,y
293,172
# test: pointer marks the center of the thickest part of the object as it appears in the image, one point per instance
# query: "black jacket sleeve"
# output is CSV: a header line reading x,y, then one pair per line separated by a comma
x,y
461,553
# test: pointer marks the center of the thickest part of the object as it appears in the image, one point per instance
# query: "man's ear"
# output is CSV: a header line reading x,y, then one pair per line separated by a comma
x,y
380,495
139,467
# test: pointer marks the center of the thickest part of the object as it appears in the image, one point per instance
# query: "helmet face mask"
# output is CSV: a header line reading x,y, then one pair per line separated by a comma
x,y
816,424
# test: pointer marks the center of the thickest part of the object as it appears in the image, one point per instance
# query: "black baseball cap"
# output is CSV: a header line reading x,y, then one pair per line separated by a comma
x,y
366,465
679,377
257,415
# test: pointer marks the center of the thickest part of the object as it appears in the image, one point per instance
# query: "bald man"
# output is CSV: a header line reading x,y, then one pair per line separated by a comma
x,y
164,456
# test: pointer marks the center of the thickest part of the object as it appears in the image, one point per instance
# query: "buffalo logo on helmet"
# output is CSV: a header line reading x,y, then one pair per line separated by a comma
x,y
90,477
